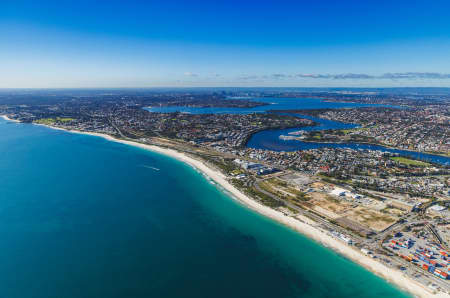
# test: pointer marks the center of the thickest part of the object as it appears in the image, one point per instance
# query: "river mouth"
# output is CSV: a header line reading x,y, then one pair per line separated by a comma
x,y
270,139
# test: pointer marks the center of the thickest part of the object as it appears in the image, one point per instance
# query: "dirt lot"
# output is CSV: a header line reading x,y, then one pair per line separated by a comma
x,y
373,219
334,208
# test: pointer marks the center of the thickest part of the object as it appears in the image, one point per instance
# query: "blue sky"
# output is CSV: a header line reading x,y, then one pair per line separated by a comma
x,y
224,43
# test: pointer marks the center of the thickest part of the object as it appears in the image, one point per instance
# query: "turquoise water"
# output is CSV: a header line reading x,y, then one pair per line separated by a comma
x,y
84,217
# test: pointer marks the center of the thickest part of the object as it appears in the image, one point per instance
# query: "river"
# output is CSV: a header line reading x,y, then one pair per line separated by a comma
x,y
269,139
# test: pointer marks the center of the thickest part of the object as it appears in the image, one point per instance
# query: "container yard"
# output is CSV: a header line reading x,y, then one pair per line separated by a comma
x,y
427,255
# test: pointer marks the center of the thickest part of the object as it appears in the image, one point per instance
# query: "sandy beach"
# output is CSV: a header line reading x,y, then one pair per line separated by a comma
x,y
303,225
9,119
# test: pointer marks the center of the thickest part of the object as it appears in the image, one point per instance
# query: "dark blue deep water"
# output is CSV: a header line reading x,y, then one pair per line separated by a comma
x,y
83,217
272,104
270,140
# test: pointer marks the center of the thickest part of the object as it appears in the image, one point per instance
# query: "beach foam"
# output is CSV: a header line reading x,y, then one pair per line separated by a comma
x,y
301,224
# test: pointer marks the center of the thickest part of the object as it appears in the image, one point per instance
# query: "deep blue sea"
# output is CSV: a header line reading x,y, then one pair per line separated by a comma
x,y
83,217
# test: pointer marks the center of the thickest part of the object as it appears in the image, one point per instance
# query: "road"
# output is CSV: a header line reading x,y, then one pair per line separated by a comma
x,y
315,217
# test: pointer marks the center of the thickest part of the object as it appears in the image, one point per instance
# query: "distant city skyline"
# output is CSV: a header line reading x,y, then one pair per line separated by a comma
x,y
65,44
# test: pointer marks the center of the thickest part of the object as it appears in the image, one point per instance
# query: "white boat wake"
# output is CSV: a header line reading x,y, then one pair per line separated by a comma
x,y
150,167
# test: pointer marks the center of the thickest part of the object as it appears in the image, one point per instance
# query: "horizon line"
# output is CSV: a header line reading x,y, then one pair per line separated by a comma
x,y
219,87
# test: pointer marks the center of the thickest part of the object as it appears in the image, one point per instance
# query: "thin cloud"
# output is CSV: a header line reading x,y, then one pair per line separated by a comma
x,y
281,76
416,75
350,76
249,77
190,74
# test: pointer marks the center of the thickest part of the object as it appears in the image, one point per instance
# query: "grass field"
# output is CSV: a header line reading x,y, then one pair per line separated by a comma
x,y
347,131
410,162
50,121
64,119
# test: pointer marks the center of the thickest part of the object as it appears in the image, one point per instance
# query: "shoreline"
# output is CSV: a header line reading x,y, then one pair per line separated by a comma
x,y
303,225
9,119
374,144
302,113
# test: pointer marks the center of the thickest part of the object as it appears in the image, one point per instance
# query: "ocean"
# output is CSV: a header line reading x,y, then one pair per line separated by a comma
x,y
81,216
